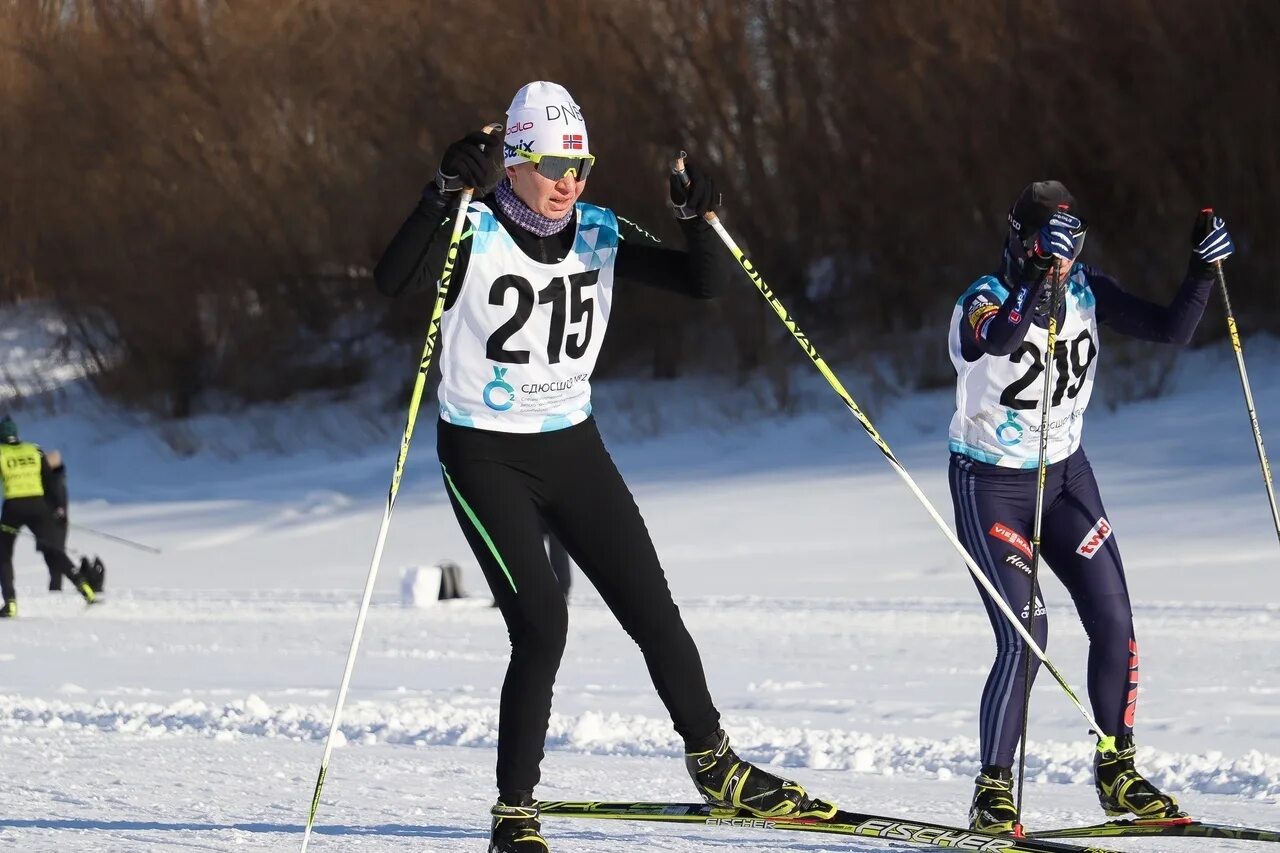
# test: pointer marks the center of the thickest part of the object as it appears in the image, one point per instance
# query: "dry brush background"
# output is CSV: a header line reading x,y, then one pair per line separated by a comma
x,y
201,187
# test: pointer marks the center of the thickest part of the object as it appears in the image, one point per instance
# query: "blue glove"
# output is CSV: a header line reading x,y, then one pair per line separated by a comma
x,y
1209,238
1061,237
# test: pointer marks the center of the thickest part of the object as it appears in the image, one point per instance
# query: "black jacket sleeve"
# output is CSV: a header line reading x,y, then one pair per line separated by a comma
x,y
55,483
415,257
703,272
1138,318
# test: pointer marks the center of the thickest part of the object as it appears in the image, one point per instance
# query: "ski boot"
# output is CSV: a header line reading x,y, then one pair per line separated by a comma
x,y
516,828
726,781
85,589
1122,789
82,573
9,609
95,573
993,809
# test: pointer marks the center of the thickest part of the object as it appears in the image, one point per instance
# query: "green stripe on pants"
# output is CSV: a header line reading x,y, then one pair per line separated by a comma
x,y
484,534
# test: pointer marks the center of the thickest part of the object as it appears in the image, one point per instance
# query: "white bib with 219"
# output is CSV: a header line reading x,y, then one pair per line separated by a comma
x,y
998,397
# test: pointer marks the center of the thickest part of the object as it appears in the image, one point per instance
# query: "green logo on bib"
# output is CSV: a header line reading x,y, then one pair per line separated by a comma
x,y
1009,433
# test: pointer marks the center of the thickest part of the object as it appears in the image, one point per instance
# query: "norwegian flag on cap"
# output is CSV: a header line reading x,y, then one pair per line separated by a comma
x,y
572,141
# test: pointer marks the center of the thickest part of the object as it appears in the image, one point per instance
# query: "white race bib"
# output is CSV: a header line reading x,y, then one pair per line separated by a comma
x,y
998,416
522,338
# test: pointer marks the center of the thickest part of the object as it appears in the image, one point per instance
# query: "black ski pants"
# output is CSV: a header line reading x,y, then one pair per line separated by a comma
x,y
560,563
504,488
35,514
55,545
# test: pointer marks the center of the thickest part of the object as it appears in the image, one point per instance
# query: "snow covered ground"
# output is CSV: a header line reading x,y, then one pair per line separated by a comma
x,y
843,639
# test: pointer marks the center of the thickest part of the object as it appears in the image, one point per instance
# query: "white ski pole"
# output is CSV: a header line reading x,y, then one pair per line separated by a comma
x,y
112,536
419,384
1042,470
1248,393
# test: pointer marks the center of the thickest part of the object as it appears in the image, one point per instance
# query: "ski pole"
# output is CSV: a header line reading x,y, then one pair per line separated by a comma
x,y
805,344
1248,394
1042,470
115,538
433,328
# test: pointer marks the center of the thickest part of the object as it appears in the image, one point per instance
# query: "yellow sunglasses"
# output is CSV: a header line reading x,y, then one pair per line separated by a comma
x,y
553,167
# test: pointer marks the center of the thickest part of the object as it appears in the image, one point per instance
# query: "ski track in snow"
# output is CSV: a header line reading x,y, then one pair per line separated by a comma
x,y
884,706
412,720
424,723
842,638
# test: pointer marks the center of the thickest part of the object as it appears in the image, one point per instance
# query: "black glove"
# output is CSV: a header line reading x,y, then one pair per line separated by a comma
x,y
1210,240
698,196
474,161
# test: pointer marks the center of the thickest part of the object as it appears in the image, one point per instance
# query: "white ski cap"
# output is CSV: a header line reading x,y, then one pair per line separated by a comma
x,y
543,118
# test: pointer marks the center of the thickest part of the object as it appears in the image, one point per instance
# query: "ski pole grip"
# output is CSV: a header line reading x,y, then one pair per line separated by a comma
x,y
1209,212
677,169
491,127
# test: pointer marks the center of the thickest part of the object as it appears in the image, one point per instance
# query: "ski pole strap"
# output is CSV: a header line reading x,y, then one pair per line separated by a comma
x,y
677,169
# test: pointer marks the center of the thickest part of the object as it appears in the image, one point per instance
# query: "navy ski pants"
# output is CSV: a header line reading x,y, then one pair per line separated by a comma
x,y
995,512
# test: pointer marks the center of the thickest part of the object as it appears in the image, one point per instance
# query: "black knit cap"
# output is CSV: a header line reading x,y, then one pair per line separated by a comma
x,y
1038,202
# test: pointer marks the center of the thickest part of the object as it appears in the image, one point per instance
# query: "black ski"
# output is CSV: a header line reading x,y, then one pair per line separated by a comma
x,y
1185,827
843,823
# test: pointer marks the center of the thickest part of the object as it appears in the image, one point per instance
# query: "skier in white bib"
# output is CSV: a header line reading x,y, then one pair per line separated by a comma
x,y
519,449
998,337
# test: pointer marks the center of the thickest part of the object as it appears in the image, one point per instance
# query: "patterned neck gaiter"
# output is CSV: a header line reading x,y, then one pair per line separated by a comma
x,y
520,213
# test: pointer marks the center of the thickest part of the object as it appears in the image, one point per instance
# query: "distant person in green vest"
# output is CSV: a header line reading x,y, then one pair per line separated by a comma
x,y
28,478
